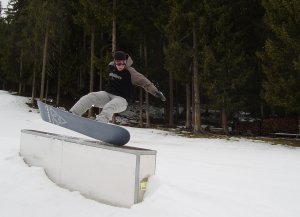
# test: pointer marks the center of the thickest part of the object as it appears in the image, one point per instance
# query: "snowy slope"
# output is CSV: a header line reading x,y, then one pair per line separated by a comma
x,y
194,177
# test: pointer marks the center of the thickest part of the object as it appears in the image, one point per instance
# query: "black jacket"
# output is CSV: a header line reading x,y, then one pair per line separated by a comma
x,y
121,83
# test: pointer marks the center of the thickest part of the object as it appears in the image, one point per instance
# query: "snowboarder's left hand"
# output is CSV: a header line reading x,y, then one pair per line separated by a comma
x,y
160,95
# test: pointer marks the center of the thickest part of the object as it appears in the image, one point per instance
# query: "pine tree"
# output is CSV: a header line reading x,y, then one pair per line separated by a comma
x,y
182,52
227,62
281,55
137,30
10,51
3,44
90,15
176,50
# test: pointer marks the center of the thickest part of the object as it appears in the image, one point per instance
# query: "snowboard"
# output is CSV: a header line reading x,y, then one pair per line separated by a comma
x,y
108,133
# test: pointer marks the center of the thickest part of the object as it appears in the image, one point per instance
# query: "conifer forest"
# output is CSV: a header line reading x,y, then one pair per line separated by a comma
x,y
230,57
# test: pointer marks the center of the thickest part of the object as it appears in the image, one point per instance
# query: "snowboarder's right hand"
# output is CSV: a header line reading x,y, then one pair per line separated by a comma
x,y
160,95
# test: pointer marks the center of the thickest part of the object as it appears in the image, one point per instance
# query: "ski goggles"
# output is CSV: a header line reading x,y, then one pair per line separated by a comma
x,y
120,62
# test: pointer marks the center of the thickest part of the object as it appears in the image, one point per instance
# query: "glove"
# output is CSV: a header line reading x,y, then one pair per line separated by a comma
x,y
159,94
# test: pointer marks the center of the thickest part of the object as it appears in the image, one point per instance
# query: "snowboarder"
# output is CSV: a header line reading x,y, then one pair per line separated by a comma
x,y
117,91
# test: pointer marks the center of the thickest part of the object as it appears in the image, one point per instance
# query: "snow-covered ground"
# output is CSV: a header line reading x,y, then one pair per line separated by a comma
x,y
194,177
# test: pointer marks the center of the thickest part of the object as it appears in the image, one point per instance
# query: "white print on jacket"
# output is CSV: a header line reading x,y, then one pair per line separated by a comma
x,y
115,76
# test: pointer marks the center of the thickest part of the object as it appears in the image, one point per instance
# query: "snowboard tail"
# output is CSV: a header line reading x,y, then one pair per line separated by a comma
x,y
108,133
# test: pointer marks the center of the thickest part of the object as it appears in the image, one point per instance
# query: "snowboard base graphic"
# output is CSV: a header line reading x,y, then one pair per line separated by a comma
x,y
108,133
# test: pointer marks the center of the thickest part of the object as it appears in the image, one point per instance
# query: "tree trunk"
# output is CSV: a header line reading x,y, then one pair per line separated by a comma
x,y
262,113
44,64
197,115
141,122
47,88
59,74
33,92
21,72
83,66
92,67
33,88
101,58
224,121
148,124
299,124
147,112
100,77
188,105
177,106
114,39
101,68
193,104
114,35
58,85
171,100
